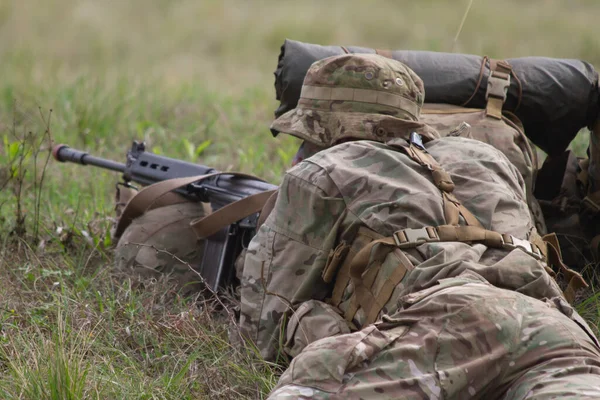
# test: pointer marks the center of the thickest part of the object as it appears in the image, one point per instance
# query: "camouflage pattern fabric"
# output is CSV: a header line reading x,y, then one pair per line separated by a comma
x,y
466,321
162,242
325,199
505,135
358,96
463,339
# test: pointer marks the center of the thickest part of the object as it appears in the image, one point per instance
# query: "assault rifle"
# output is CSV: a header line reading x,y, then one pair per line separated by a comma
x,y
145,168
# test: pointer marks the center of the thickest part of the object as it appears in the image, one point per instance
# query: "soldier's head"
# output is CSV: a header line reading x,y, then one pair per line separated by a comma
x,y
353,97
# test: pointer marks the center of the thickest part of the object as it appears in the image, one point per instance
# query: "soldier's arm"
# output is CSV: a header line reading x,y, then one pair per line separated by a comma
x,y
285,259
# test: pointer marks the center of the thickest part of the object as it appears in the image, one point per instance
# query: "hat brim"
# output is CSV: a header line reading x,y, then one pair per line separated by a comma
x,y
327,128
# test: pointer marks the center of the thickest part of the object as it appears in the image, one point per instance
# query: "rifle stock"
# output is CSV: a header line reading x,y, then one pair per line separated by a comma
x,y
145,168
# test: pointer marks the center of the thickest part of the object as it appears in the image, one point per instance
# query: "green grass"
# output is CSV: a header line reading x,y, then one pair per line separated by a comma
x,y
194,80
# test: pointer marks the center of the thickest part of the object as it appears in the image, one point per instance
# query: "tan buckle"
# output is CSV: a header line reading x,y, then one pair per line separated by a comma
x,y
498,84
510,242
408,238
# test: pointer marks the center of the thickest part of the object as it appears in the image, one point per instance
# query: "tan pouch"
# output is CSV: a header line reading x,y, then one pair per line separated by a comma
x,y
312,321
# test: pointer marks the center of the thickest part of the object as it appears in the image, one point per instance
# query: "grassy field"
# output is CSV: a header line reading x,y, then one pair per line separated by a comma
x,y
194,80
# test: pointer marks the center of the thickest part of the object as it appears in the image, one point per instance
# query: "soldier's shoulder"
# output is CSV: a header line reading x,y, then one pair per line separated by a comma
x,y
317,168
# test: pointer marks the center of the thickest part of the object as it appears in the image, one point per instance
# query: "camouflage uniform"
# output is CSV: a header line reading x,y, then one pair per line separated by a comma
x,y
465,321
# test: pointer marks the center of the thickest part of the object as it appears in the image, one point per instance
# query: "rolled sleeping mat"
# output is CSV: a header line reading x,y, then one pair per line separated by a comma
x,y
554,98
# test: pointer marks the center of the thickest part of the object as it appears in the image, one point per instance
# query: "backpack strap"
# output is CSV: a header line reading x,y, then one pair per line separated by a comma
x,y
365,264
497,87
452,206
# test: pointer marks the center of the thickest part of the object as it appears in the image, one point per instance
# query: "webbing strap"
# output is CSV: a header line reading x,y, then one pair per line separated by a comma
x,y
385,293
341,280
364,265
335,258
344,254
574,280
410,238
452,207
363,275
149,195
545,249
152,196
497,88
227,215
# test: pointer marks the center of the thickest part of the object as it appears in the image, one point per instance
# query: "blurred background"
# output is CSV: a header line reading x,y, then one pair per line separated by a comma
x,y
194,79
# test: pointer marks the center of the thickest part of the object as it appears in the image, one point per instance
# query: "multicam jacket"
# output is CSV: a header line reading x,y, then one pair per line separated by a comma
x,y
325,200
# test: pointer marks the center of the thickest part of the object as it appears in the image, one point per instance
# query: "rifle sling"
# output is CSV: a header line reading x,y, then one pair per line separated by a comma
x,y
226,215
154,196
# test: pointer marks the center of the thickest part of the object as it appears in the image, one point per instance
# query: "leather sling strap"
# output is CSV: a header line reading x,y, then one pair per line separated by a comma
x,y
267,208
150,196
227,215
497,87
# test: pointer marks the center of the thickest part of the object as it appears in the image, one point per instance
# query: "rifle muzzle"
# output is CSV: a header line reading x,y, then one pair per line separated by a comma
x,y
64,153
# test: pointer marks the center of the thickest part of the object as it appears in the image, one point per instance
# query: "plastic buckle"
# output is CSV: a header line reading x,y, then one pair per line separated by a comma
x,y
415,237
511,243
497,85
417,140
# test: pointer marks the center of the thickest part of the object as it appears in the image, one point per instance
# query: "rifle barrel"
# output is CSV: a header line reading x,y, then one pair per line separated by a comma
x,y
64,153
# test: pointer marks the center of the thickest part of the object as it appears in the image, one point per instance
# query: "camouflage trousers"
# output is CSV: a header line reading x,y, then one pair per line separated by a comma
x,y
466,340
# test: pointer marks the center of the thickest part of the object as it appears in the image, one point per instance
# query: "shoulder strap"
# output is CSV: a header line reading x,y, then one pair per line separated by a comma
x,y
452,206
227,215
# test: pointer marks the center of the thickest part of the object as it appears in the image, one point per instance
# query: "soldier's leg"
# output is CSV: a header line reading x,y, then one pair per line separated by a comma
x,y
471,341
558,359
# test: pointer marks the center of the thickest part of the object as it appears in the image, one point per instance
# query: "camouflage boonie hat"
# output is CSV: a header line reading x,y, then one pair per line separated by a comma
x,y
353,96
